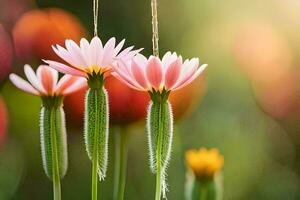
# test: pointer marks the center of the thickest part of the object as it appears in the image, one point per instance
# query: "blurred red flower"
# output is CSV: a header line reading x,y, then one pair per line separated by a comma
x,y
37,30
128,106
6,53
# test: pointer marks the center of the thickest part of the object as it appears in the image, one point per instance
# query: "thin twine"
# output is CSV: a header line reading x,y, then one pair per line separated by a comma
x,y
95,12
154,28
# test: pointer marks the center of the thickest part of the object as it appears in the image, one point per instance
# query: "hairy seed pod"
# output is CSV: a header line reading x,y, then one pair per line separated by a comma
x,y
160,134
53,140
96,128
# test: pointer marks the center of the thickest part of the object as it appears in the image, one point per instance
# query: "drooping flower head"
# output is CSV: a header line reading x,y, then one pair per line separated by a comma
x,y
45,82
91,58
154,75
204,163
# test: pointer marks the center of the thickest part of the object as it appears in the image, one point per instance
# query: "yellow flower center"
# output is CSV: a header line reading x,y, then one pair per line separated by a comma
x,y
204,163
97,69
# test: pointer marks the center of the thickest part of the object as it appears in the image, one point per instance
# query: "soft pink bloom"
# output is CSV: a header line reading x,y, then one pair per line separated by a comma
x,y
45,82
86,58
170,73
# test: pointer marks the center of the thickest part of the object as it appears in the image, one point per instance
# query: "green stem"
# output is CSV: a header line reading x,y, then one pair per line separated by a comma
x,y
158,155
95,154
121,151
203,193
55,167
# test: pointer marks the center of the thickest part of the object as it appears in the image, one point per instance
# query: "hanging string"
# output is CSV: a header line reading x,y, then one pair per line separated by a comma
x,y
154,28
95,12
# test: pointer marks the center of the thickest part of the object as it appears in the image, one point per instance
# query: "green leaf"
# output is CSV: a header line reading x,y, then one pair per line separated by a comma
x,y
96,124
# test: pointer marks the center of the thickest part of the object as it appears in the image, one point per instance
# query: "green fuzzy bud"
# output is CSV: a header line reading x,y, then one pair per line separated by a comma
x,y
96,124
53,137
160,134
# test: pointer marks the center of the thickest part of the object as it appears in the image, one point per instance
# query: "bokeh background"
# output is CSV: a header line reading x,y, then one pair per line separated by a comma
x,y
247,104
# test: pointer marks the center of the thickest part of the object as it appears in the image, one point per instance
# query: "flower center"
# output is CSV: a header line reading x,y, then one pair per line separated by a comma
x,y
94,69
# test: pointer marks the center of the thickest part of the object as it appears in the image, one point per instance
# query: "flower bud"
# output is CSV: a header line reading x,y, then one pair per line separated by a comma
x,y
204,180
53,136
96,123
204,163
160,136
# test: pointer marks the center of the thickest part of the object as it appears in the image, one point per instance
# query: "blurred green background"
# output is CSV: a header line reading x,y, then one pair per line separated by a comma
x,y
250,110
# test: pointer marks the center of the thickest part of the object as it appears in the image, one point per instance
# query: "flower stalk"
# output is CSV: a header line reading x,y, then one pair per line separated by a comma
x,y
121,153
53,141
96,129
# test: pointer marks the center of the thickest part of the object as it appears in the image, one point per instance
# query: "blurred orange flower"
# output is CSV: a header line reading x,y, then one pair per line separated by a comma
x,y
204,163
266,58
37,30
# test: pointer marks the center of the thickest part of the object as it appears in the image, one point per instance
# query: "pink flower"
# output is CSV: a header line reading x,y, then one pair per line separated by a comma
x,y
169,74
88,58
45,82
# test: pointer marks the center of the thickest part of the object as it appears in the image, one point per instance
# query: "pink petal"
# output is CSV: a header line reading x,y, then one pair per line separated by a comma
x,y
116,75
169,58
64,82
48,77
139,74
125,52
32,78
65,69
122,66
165,58
131,54
141,60
195,75
64,54
95,51
172,73
77,85
22,84
108,51
119,47
85,51
125,76
154,72
75,53
187,71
